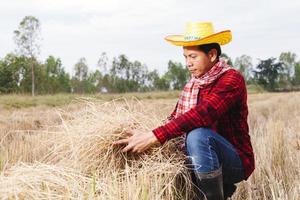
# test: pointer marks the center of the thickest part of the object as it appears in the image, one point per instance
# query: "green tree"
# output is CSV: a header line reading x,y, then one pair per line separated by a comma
x,y
152,79
15,74
83,80
80,79
27,38
121,67
120,73
56,79
107,83
102,63
94,83
162,83
244,65
297,74
267,73
81,69
127,76
226,58
289,60
138,76
9,74
177,75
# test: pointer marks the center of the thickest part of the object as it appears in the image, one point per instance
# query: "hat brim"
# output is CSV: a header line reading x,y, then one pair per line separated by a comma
x,y
222,38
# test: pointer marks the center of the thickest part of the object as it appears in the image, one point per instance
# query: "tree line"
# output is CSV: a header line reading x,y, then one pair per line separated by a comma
x,y
22,72
120,75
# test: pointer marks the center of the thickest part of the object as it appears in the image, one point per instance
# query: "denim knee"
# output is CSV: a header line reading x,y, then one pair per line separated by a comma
x,y
200,148
198,136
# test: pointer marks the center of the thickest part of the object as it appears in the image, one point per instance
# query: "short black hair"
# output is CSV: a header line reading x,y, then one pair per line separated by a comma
x,y
207,47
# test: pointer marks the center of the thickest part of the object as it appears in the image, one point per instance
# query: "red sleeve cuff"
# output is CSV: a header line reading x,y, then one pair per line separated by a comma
x,y
160,134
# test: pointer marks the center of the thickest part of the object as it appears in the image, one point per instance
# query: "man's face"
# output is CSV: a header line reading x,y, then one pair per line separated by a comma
x,y
197,62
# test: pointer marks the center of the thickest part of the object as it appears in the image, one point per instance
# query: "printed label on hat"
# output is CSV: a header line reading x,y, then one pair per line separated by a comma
x,y
191,37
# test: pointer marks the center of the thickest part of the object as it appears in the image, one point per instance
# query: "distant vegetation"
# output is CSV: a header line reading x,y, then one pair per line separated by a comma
x,y
21,72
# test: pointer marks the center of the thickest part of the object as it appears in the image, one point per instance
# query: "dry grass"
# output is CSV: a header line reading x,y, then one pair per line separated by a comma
x,y
67,152
75,158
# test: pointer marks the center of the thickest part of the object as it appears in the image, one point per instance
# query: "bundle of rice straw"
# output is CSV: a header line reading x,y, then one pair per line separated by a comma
x,y
81,162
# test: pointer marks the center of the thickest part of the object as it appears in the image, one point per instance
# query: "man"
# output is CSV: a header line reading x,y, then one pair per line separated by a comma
x,y
212,114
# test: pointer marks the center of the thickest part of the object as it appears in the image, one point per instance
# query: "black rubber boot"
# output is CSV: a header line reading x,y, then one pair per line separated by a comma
x,y
198,194
229,189
211,184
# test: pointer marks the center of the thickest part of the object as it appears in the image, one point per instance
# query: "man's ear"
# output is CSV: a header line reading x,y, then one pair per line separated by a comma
x,y
213,54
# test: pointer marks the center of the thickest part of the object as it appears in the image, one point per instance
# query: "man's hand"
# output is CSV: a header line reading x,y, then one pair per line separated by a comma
x,y
138,142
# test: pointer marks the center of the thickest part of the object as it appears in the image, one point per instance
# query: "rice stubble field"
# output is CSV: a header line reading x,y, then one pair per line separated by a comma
x,y
66,151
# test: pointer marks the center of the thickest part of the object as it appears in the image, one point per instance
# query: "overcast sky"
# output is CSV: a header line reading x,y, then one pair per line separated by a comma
x,y
85,28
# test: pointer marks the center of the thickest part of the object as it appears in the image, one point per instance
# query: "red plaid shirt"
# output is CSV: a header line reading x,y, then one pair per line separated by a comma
x,y
222,107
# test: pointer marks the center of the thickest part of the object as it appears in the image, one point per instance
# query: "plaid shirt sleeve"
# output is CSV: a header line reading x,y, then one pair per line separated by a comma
x,y
224,94
172,115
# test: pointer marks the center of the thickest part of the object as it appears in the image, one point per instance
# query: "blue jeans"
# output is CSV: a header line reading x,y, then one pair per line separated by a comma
x,y
209,151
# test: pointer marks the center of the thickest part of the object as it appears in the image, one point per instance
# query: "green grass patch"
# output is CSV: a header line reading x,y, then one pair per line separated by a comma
x,y
23,101
254,88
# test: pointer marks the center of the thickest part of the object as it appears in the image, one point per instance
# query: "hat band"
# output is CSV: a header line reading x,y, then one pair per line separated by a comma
x,y
191,38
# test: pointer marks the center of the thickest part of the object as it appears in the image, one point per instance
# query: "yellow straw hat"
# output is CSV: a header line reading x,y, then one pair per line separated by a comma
x,y
198,33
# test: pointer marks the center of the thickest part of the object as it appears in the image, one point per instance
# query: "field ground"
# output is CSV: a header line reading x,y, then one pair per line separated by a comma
x,y
21,101
60,147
